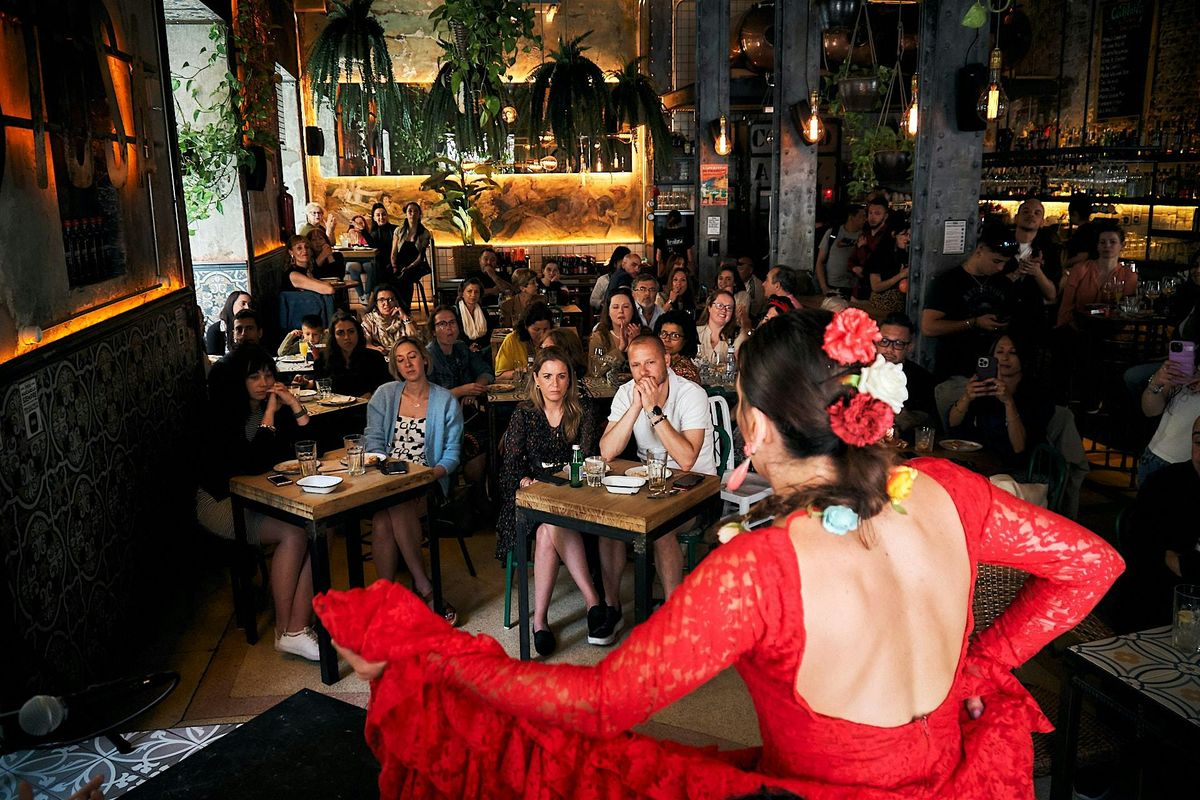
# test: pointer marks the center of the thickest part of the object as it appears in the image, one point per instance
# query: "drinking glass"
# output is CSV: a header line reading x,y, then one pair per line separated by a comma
x,y
355,461
304,349
656,471
593,470
1185,628
306,455
324,388
924,440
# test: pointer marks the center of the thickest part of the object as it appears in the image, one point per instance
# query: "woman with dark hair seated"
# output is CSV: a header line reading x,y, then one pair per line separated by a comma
x,y
538,443
567,340
385,322
679,293
849,619
252,423
1007,414
520,346
347,361
453,366
218,339
678,334
617,328
474,326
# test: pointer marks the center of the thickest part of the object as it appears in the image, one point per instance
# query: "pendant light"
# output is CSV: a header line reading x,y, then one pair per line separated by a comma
x,y
722,141
993,102
909,121
814,129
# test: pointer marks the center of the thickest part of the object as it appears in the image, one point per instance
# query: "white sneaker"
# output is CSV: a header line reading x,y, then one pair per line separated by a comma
x,y
302,643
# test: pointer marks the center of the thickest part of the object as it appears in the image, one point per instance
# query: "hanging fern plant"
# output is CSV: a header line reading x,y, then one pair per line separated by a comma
x,y
569,97
635,102
352,49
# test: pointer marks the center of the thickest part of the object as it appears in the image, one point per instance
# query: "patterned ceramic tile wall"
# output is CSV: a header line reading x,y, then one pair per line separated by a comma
x,y
214,282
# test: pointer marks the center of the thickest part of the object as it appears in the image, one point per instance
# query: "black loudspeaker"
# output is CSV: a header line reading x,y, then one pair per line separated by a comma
x,y
970,83
256,173
314,141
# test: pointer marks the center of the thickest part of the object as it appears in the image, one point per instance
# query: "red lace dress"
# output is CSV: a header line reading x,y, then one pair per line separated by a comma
x,y
454,716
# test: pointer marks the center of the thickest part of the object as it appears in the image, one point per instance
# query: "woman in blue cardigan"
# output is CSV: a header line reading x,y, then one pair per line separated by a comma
x,y
417,421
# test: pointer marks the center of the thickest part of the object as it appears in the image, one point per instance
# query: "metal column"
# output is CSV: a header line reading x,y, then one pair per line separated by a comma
x,y
712,101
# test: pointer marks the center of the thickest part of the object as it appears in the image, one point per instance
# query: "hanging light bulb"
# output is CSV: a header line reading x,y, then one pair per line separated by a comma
x,y
508,114
722,141
814,128
993,102
910,114
551,11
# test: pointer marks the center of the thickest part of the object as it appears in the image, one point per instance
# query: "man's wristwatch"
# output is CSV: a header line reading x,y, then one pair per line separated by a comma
x,y
656,416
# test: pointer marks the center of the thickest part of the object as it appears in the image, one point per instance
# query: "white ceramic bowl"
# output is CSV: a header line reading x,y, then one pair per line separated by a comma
x,y
620,484
319,484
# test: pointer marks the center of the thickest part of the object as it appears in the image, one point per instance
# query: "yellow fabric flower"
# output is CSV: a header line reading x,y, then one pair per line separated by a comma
x,y
900,483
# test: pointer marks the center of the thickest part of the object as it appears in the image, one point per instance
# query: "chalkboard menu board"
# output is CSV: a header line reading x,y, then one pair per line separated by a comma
x,y
1124,53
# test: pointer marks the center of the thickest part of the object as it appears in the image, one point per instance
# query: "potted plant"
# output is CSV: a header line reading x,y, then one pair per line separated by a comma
x,y
569,97
635,101
459,185
879,156
858,89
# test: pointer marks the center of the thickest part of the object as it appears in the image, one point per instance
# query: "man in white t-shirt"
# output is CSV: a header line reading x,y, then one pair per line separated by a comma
x,y
659,410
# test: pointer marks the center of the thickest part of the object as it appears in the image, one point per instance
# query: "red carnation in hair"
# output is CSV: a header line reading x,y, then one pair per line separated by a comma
x,y
862,421
851,337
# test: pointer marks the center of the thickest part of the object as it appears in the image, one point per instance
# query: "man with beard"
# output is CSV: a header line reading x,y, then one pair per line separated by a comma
x,y
1035,269
868,241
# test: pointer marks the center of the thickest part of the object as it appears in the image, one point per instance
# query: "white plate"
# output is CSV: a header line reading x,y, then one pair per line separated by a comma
x,y
369,460
960,445
292,467
305,394
619,484
296,359
339,400
319,484
640,472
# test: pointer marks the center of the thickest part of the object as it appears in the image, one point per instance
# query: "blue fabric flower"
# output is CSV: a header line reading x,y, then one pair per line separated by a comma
x,y
839,520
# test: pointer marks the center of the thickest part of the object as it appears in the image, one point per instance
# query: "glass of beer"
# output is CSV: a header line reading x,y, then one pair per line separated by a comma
x,y
306,455
1185,626
656,471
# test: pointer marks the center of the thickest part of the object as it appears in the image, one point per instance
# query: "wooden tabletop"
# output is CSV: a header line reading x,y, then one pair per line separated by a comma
x,y
636,513
356,252
352,492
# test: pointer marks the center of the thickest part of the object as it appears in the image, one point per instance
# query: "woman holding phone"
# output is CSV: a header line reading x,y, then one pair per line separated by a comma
x,y
1174,393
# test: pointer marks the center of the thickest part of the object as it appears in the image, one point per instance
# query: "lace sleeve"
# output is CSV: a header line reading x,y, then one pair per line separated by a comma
x,y
721,612
1071,569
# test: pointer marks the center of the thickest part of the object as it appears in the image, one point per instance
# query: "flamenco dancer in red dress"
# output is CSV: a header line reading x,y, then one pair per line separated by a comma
x,y
849,621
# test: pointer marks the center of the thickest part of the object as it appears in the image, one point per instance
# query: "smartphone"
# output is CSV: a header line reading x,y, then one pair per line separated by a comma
x,y
688,481
279,480
550,477
985,369
393,466
1182,355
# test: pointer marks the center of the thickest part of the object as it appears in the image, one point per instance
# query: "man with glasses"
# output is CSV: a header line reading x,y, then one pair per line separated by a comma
x,y
645,293
631,265
899,336
970,304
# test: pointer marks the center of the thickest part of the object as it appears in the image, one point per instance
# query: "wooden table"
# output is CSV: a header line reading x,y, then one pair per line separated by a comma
x,y
356,497
356,253
628,518
316,408
983,461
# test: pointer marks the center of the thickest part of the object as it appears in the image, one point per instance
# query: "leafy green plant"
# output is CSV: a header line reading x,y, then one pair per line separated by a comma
x,y
255,89
866,137
210,150
568,95
635,101
829,83
484,37
459,186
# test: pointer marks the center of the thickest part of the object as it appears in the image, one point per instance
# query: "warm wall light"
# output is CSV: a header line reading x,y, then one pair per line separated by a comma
x,y
909,121
551,11
993,103
810,126
722,140
508,114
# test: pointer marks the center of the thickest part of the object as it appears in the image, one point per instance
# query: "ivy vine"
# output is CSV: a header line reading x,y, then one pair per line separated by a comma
x,y
255,87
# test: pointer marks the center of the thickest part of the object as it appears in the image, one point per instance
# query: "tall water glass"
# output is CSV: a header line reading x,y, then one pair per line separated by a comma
x,y
355,464
924,440
306,455
1185,628
593,471
324,388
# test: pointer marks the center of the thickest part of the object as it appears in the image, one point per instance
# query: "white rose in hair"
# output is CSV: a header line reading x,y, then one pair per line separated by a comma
x,y
885,381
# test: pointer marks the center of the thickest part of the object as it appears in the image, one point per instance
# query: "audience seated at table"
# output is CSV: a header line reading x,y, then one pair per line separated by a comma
x,y
454,366
728,280
679,294
246,330
525,294
718,329
776,304
887,268
657,409
218,338
494,281
622,277
312,330
1102,280
616,329
251,423
567,340
645,299
1160,540
315,217
600,287
379,234
352,367
476,327
755,292
1035,270
1174,394
783,282
418,422
678,335
522,344
385,322
899,336
326,261
538,443
299,274
549,285
359,270
410,254
1183,309
969,304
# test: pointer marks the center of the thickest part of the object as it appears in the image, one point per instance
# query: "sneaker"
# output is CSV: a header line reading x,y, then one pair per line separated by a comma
x,y
544,642
614,619
302,643
597,622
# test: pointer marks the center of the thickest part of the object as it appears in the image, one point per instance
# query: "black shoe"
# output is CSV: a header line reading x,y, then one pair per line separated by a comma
x,y
614,619
597,621
544,642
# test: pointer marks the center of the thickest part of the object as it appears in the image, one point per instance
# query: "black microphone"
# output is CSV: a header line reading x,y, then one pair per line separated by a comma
x,y
42,714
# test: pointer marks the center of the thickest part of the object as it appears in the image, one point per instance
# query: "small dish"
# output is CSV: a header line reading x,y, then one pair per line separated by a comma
x,y
369,460
620,484
501,387
640,472
960,445
319,484
305,394
339,400
292,467
296,359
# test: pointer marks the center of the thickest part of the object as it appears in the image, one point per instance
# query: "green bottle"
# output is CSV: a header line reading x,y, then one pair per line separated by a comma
x,y
575,469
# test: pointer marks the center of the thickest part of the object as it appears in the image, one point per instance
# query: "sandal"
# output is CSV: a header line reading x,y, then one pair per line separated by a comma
x,y
450,614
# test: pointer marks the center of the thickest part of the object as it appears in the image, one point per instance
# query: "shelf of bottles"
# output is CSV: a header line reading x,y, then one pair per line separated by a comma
x,y
92,247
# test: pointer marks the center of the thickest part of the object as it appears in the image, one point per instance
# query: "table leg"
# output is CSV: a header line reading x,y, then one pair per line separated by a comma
x,y
1062,771
641,579
522,579
318,559
243,589
354,559
435,555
